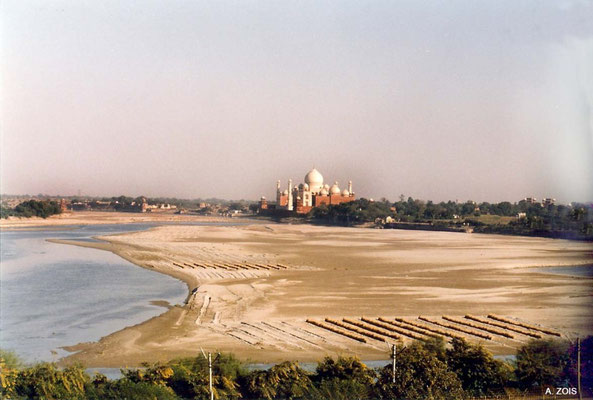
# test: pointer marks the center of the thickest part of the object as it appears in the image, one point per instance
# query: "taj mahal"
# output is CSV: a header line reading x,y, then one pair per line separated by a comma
x,y
312,193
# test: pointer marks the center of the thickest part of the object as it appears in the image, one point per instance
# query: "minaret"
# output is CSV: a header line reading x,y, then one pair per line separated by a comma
x,y
290,195
350,187
278,193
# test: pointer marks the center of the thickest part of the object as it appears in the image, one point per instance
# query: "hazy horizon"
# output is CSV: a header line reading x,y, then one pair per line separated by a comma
x,y
488,101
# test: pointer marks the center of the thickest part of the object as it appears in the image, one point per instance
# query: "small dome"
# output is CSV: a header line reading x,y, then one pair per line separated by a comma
x,y
335,189
324,192
305,187
301,186
285,192
326,186
345,193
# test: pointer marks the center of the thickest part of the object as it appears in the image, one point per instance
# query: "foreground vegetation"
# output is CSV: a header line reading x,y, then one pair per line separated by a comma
x,y
425,370
564,221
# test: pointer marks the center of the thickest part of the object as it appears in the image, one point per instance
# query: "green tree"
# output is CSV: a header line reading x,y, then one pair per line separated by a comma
x,y
479,372
350,368
343,378
339,389
419,375
45,381
283,381
542,363
126,389
9,365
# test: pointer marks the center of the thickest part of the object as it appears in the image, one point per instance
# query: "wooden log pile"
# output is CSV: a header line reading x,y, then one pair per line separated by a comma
x,y
338,331
510,328
355,330
481,327
456,328
524,325
371,328
430,328
400,328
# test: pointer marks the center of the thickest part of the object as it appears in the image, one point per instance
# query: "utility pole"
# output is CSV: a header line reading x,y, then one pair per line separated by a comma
x,y
210,374
209,358
393,356
579,368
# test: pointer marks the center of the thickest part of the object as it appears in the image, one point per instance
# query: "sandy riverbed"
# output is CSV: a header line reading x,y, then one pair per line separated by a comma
x,y
260,314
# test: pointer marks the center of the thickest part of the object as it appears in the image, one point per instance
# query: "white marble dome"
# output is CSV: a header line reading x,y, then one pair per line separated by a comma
x,y
334,189
324,192
345,193
314,179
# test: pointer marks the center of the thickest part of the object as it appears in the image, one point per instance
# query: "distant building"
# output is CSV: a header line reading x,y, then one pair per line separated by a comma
x,y
530,200
548,202
312,193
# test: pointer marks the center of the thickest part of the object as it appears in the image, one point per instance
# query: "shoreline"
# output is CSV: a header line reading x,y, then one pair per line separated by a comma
x,y
74,219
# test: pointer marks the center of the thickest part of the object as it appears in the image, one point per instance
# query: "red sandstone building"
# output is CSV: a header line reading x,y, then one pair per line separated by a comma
x,y
312,193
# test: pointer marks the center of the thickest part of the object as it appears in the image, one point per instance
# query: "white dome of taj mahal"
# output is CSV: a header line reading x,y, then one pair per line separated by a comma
x,y
314,177
345,193
315,180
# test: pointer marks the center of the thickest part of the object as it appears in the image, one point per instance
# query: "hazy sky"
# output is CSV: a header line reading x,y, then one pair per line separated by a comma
x,y
484,100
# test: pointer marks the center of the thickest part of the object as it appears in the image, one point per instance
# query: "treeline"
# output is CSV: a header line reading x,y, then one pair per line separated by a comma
x,y
424,370
32,208
574,221
122,202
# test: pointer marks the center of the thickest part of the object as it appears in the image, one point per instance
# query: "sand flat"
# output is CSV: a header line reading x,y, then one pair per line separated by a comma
x,y
260,314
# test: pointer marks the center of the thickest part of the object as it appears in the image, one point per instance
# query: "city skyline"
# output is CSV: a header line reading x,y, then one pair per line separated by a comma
x,y
463,101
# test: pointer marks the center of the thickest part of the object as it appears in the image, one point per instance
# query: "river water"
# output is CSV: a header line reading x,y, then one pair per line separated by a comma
x,y
55,295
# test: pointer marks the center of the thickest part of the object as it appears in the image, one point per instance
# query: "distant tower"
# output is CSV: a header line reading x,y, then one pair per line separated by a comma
x,y
263,203
290,195
278,192
143,205
350,187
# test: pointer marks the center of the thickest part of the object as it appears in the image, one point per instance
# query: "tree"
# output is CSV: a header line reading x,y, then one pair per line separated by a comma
x,y
45,381
542,363
283,381
189,377
479,372
126,389
340,389
586,365
419,375
350,368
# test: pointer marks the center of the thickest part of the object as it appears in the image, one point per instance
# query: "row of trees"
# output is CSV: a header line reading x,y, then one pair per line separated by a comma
x,y
32,208
425,370
575,221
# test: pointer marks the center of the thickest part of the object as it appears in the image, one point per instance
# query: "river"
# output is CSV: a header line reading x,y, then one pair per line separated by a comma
x,y
55,295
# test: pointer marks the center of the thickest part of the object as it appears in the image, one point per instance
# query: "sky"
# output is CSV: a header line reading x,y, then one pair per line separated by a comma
x,y
439,100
